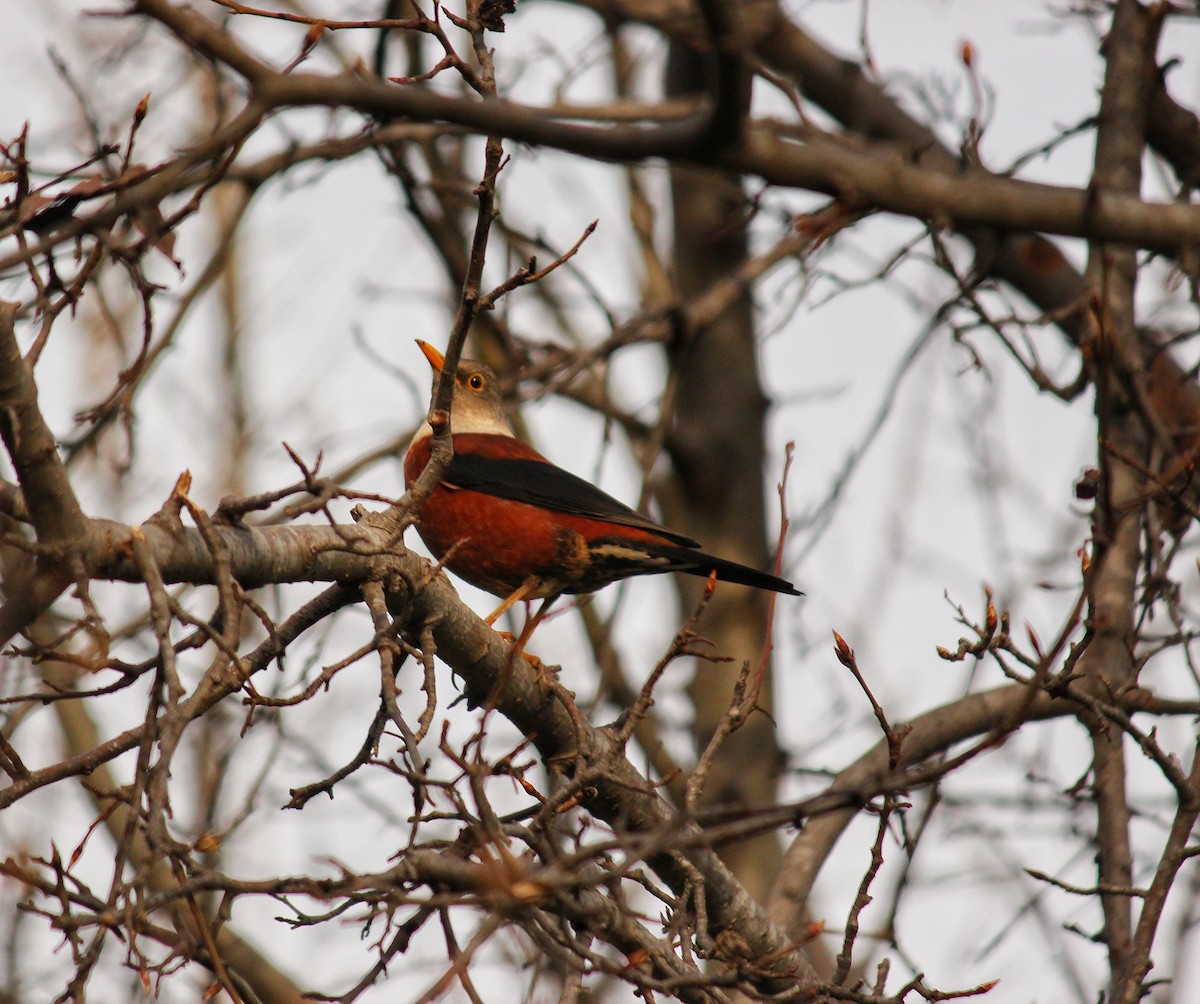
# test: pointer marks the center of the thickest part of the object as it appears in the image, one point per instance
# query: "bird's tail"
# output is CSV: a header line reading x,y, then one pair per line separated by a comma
x,y
699,563
613,558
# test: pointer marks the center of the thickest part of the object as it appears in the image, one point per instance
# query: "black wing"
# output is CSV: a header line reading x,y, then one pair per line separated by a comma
x,y
541,483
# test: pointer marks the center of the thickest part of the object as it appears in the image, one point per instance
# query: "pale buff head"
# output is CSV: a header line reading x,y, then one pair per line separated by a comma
x,y
477,406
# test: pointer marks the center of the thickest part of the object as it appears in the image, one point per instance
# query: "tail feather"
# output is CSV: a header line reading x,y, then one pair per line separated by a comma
x,y
613,558
699,563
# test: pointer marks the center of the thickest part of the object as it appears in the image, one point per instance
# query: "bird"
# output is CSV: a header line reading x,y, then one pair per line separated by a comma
x,y
508,520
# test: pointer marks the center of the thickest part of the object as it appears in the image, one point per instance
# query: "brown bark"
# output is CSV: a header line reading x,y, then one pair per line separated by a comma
x,y
716,441
1124,438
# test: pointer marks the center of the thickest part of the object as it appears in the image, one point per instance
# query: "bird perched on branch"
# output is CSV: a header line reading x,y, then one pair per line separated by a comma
x,y
507,520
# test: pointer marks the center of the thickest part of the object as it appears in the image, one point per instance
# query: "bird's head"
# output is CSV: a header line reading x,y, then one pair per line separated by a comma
x,y
477,405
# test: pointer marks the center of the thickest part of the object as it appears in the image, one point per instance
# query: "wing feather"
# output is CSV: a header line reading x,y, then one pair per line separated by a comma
x,y
541,483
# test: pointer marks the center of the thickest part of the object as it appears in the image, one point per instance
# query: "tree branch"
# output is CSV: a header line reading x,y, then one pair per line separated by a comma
x,y
1119,514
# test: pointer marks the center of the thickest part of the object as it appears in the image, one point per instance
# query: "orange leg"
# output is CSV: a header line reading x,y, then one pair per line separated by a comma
x,y
530,624
521,592
518,651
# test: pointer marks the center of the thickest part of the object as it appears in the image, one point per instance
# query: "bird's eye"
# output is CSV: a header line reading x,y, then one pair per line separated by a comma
x,y
475,381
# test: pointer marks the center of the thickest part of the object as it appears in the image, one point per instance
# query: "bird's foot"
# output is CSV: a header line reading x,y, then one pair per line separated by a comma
x,y
546,674
529,657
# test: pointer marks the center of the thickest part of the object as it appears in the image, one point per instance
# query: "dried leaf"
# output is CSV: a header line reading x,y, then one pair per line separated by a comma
x,y
151,222
85,188
31,206
491,13
40,212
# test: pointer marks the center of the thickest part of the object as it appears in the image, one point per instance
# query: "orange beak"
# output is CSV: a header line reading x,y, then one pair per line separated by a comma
x,y
436,359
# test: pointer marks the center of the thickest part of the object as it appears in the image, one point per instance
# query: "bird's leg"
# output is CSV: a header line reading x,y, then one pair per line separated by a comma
x,y
530,624
518,651
521,592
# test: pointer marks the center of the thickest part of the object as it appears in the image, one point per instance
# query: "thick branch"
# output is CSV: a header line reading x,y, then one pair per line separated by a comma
x,y
1119,514
614,791
49,498
932,733
387,101
891,182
